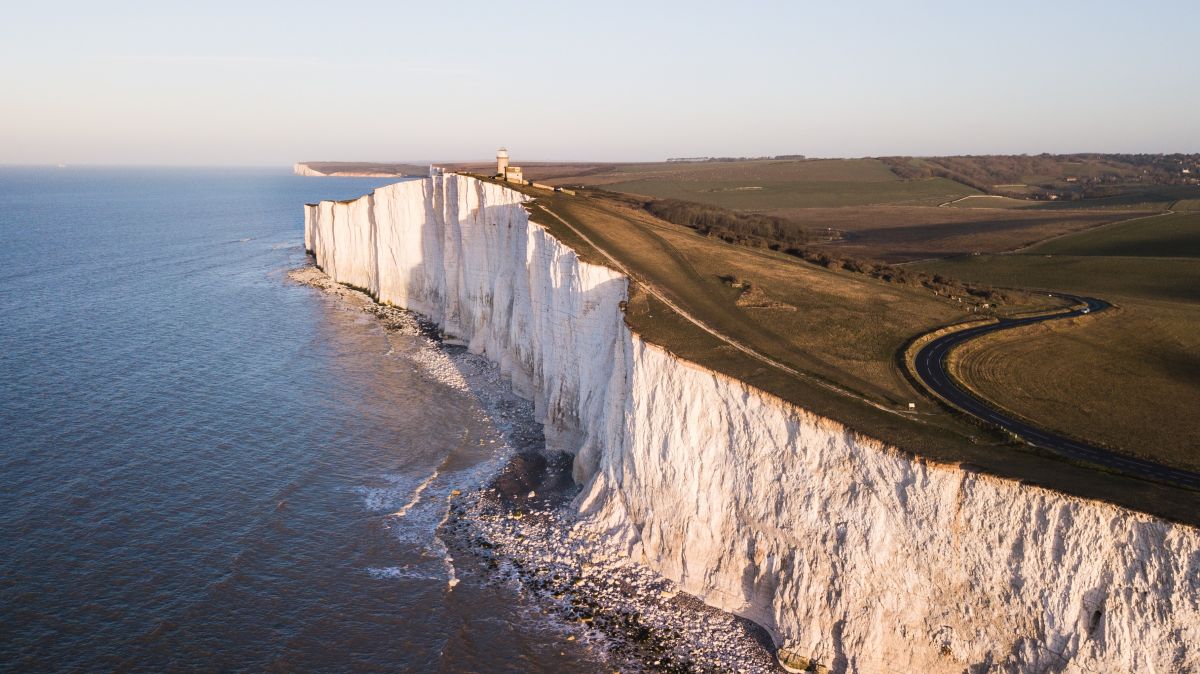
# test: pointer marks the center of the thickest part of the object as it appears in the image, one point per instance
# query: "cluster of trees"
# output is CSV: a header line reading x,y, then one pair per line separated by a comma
x,y
1164,169
753,229
940,285
780,234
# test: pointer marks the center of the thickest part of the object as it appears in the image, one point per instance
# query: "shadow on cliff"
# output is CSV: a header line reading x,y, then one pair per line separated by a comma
x,y
516,298
519,302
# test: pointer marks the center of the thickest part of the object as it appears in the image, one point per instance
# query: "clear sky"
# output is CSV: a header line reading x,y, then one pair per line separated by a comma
x,y
263,83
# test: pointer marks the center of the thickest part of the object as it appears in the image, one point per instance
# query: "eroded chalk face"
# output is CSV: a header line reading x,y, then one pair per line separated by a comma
x,y
850,553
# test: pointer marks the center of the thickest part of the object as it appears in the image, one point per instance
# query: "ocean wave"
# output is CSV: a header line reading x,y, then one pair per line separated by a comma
x,y
385,498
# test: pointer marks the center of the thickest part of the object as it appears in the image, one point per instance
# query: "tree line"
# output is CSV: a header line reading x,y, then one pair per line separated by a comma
x,y
754,229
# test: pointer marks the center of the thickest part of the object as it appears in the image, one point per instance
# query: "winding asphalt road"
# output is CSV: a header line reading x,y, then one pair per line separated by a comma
x,y
931,369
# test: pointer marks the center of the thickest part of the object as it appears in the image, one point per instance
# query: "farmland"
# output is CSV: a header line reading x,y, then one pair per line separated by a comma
x,y
869,210
1128,378
899,233
765,184
1171,235
1147,198
758,194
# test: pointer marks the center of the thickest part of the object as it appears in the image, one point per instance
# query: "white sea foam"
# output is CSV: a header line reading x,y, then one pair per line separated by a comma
x,y
447,561
416,495
385,498
401,573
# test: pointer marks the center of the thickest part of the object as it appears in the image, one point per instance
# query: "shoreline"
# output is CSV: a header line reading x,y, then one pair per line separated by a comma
x,y
520,527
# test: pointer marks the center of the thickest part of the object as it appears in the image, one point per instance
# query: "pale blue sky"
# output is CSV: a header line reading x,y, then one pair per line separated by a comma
x,y
268,83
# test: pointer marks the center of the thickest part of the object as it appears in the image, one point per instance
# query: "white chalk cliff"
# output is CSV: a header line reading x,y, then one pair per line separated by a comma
x,y
843,548
302,169
306,170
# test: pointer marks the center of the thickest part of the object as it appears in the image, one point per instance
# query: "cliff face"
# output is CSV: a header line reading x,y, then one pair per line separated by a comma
x,y
846,550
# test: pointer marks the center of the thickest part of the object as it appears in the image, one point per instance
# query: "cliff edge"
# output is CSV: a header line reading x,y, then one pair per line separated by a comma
x,y
848,551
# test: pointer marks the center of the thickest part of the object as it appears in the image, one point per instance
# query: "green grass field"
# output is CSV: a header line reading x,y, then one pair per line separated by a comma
x,y
866,207
765,184
896,233
1129,277
1173,235
758,194
1148,198
788,170
1127,378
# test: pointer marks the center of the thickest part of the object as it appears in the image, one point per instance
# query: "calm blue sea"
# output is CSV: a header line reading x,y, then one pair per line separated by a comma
x,y
202,462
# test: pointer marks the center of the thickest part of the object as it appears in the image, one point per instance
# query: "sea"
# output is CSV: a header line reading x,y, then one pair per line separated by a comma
x,y
208,467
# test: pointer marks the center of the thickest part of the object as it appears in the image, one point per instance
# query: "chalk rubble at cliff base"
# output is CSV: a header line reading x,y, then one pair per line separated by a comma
x,y
845,550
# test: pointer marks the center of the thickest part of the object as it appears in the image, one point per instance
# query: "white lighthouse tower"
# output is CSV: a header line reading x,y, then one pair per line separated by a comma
x,y
505,172
501,161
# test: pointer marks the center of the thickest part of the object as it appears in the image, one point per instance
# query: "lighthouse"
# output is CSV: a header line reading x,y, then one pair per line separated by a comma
x,y
501,161
505,172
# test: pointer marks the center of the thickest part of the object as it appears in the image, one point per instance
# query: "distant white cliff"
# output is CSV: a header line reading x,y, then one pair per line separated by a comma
x,y
847,551
302,169
305,170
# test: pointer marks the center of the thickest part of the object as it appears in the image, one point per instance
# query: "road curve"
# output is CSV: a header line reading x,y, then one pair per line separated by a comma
x,y
930,368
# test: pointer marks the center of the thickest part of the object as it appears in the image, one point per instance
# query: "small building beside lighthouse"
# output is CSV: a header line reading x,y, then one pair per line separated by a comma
x,y
504,171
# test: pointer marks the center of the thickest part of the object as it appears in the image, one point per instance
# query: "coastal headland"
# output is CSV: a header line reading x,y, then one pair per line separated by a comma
x,y
858,541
